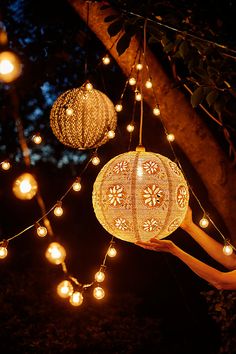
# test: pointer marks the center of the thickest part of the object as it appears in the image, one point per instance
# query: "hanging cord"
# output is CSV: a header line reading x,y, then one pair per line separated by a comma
x,y
86,47
141,89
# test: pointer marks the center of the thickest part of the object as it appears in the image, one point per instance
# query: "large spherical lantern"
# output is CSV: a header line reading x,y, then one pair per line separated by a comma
x,y
83,117
139,195
25,186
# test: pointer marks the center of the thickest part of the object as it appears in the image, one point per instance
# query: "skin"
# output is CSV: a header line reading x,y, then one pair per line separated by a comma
x,y
220,280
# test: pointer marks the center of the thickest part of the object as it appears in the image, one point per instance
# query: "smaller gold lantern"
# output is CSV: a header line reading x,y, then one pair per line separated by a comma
x,y
25,186
82,118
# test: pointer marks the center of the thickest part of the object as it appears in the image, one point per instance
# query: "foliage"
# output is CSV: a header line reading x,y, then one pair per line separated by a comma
x,y
189,34
222,309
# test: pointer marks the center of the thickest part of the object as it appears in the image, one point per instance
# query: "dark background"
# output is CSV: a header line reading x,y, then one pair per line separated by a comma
x,y
153,302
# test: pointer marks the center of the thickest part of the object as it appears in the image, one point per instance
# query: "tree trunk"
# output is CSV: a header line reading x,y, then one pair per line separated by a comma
x,y
191,132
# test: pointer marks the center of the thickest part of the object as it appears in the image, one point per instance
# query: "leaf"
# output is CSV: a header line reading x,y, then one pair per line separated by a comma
x,y
212,97
123,43
110,18
115,28
197,96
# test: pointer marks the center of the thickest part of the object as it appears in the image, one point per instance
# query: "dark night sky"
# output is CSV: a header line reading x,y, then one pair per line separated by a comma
x,y
166,288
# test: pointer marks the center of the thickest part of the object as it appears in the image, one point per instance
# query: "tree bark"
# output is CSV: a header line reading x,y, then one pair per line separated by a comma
x,y
191,132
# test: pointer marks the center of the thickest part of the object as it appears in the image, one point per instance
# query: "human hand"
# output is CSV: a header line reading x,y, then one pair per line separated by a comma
x,y
188,220
157,245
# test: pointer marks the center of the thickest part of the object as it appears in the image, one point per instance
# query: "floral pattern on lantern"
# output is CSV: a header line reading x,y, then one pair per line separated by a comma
x,y
82,117
139,195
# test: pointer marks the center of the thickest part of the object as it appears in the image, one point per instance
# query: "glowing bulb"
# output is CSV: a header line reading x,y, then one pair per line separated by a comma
x,y
118,107
42,231
65,289
55,253
76,186
170,137
37,139
3,252
95,160
5,165
227,249
204,222
130,128
132,81
76,298
25,186
111,134
69,111
10,67
58,211
98,293
139,66
112,252
106,60
89,86
138,96
148,84
139,171
156,111
99,276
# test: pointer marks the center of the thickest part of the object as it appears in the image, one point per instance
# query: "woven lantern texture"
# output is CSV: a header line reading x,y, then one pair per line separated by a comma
x,y
139,195
82,117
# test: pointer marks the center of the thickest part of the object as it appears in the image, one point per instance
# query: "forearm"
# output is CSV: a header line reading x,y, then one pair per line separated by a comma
x,y
216,278
211,246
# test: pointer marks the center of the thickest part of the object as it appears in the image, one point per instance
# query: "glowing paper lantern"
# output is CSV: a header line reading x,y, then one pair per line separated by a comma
x,y
139,195
82,117
25,186
10,66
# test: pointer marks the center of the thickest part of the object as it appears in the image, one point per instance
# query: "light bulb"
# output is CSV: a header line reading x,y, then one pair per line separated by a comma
x,y
3,252
95,160
5,165
227,249
130,128
89,86
112,252
98,293
111,134
170,137
37,139
42,231
58,211
55,253
99,276
76,186
118,107
106,60
69,111
25,186
204,222
138,96
132,81
76,298
65,289
148,84
10,66
139,66
156,111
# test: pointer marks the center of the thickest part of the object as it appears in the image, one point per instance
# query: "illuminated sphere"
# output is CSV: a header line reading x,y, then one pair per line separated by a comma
x,y
65,289
10,67
139,195
76,298
55,253
6,165
3,252
80,118
99,276
98,293
227,249
25,186
204,222
42,231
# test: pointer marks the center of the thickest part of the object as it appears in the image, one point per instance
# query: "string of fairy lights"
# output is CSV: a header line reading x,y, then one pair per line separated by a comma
x,y
26,187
